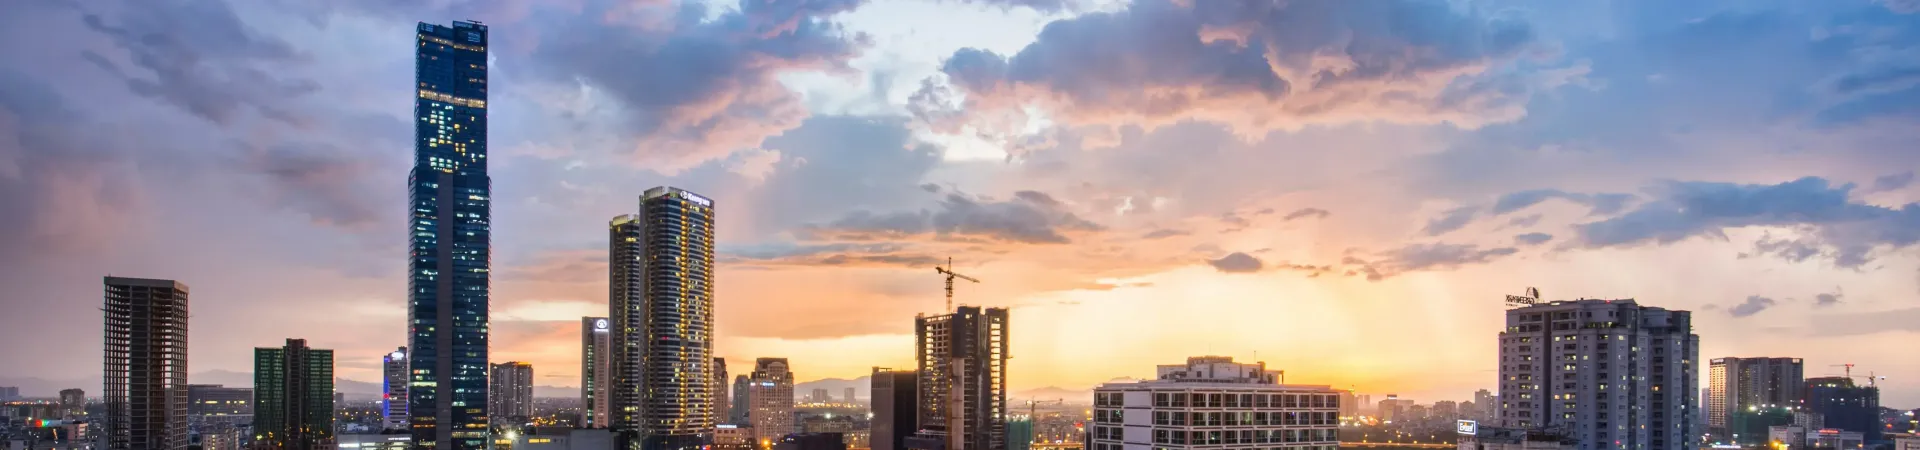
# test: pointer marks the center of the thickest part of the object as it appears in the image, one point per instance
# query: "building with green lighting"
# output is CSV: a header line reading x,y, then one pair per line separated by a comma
x,y
293,397
1020,434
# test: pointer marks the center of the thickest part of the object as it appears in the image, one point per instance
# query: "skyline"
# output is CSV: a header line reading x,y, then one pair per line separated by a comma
x,y
1752,165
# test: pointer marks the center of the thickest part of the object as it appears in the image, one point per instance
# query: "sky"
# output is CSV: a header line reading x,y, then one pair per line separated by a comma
x,y
1345,190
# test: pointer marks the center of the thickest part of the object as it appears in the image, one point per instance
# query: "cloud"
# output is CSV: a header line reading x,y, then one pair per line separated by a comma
x,y
1030,217
834,164
1599,204
836,255
1157,62
1753,305
1306,213
204,59
329,184
1045,6
1453,219
1312,271
1531,239
1421,257
62,189
1828,299
1526,221
1236,262
1163,233
1892,182
1846,232
701,86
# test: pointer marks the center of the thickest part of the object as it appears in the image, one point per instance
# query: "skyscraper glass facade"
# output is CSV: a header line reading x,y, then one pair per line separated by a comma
x,y
293,396
449,194
662,263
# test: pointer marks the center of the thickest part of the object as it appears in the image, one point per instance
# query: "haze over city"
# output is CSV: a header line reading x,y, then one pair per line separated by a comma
x,y
1346,191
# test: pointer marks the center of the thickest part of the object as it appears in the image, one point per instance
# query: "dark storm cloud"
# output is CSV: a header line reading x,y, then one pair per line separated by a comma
x,y
1846,232
1753,305
1304,213
1237,262
1294,62
1422,257
1031,218
1531,239
1598,204
1453,219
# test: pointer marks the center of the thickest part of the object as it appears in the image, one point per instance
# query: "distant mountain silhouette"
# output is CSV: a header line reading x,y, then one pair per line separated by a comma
x,y
1051,393
836,387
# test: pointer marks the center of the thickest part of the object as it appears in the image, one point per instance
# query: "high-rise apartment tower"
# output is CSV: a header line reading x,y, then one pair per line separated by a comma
x,y
449,201
770,395
293,396
596,371
393,396
1737,384
146,364
662,314
1610,374
893,399
512,391
722,400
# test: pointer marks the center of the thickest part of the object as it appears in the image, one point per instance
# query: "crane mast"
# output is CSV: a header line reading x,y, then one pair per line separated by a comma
x,y
948,271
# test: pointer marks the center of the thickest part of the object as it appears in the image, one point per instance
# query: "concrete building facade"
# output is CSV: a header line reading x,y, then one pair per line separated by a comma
x,y
596,371
962,382
1213,402
145,366
1610,374
1739,384
770,396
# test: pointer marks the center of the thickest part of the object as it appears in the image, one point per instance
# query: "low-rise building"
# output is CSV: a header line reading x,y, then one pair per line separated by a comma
x,y
1795,437
812,441
1212,401
732,437
1475,437
388,441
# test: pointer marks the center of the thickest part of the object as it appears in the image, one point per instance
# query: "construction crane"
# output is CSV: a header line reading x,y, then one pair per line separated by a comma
x,y
1033,406
1033,414
1872,378
948,271
1849,370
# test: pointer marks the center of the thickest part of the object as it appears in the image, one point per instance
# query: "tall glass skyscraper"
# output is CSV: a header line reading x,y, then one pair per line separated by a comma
x,y
449,194
662,308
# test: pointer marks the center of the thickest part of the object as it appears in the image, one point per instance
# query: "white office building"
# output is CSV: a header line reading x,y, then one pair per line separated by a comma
x,y
1212,402
1610,374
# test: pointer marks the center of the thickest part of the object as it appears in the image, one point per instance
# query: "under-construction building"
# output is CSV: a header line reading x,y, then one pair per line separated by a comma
x,y
962,385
